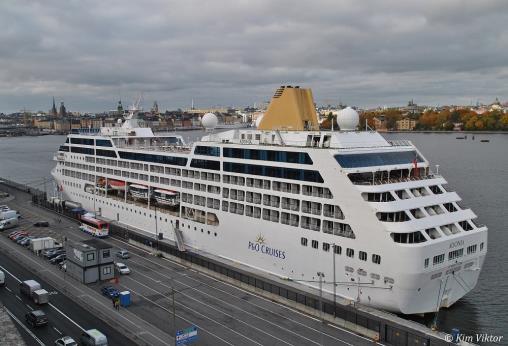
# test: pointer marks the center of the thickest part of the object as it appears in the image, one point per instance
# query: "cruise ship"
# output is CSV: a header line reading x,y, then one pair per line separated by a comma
x,y
290,200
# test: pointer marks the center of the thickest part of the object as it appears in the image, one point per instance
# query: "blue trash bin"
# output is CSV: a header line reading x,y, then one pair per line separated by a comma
x,y
125,298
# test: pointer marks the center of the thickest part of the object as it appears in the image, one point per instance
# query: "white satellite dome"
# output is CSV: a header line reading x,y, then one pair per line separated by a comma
x,y
258,120
348,119
209,121
119,121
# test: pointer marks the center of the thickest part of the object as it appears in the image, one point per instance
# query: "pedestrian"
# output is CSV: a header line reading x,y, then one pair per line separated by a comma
x,y
118,303
114,302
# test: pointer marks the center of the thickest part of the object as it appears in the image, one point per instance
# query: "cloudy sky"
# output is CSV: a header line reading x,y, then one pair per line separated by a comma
x,y
364,53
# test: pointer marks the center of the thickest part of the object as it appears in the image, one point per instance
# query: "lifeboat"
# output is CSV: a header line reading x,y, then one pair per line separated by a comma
x,y
139,191
116,185
166,197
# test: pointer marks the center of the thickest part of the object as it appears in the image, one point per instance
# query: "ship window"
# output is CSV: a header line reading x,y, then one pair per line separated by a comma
x,y
326,247
303,241
435,189
466,226
438,259
107,153
275,172
64,148
350,252
362,255
426,263
450,207
455,254
205,164
481,246
399,216
471,249
337,249
82,141
377,159
208,151
376,259
268,155
315,244
103,143
81,150
162,159
408,238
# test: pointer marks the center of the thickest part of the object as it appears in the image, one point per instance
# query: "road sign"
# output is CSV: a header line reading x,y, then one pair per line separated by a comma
x,y
187,335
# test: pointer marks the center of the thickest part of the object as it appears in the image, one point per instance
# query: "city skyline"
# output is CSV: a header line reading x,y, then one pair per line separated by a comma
x,y
238,53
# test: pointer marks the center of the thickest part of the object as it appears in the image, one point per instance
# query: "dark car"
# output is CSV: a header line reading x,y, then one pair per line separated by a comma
x,y
49,252
41,224
110,291
19,240
56,253
36,318
19,236
58,259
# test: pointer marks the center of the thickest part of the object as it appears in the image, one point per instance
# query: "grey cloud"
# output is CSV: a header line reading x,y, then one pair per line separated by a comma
x,y
236,52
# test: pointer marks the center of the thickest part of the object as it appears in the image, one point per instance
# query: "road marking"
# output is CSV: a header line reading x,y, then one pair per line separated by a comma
x,y
18,298
8,289
29,307
24,327
181,317
59,332
54,307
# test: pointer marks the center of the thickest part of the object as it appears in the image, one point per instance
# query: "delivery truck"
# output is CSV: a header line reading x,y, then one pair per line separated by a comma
x,y
41,297
38,245
28,287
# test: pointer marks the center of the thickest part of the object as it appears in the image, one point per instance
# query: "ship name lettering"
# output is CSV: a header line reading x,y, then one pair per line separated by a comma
x,y
456,244
262,248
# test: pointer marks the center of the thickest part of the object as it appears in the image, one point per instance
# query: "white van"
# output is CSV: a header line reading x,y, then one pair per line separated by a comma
x,y
93,337
9,223
2,278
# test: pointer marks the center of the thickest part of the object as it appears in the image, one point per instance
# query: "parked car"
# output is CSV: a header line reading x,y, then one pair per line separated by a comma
x,y
58,259
124,254
41,224
56,253
110,291
122,268
16,234
49,252
20,239
19,236
36,318
66,341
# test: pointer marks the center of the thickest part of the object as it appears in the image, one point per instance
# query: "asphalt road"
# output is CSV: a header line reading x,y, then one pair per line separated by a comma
x,y
65,316
223,313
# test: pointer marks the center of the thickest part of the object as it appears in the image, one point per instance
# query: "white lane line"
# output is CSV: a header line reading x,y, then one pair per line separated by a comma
x,y
56,330
54,307
28,306
181,317
219,311
18,298
232,306
24,327
8,289
5,270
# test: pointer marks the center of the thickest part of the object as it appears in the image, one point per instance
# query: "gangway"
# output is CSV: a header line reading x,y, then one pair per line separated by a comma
x,y
179,238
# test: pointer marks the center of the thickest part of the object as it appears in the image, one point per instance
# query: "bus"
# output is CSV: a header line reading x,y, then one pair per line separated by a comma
x,y
97,228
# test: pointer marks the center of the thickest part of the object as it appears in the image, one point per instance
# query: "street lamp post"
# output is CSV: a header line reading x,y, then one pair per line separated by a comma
x,y
321,276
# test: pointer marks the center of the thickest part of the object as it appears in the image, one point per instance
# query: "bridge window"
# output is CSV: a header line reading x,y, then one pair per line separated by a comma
x,y
82,141
377,159
107,153
208,151
275,172
455,254
103,143
205,164
471,249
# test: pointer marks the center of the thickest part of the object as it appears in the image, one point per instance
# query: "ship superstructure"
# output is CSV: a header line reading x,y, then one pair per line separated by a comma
x,y
289,200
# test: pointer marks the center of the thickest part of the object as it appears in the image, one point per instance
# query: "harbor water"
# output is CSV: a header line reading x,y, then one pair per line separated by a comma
x,y
478,171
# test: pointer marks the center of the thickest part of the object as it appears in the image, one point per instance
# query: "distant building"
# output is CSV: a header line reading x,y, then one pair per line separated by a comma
x,y
63,111
405,124
53,110
380,123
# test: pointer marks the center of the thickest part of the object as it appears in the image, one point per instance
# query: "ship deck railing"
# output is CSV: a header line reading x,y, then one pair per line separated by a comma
x,y
162,148
395,180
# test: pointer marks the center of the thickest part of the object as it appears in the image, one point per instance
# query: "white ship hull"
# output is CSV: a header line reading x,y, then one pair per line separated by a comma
x,y
414,293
